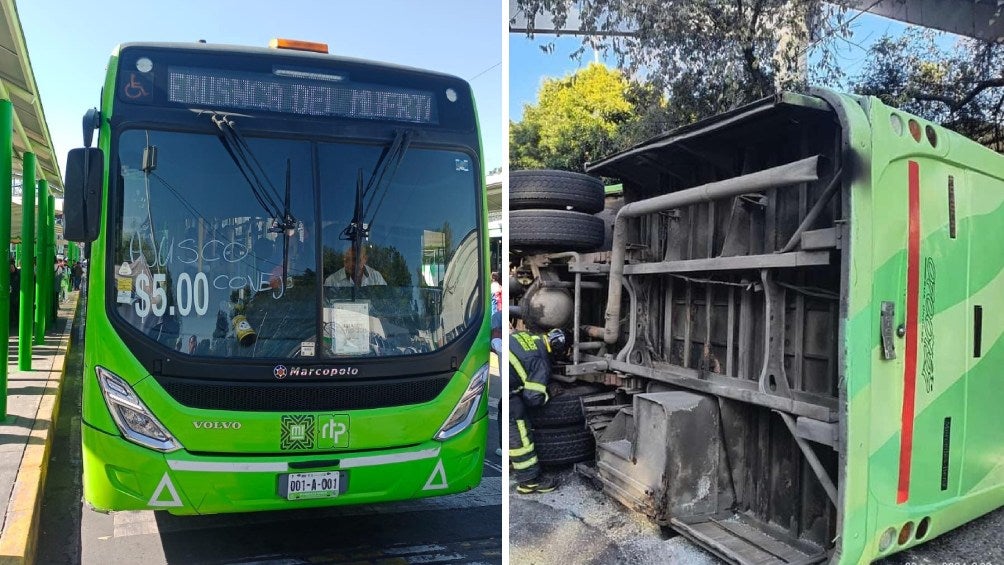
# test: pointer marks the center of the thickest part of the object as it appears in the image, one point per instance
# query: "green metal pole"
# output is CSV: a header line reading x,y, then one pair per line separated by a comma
x,y
6,125
27,311
50,234
43,276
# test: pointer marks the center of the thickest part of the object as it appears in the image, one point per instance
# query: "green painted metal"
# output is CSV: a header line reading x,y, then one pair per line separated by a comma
x,y
956,458
120,475
6,154
50,235
27,320
43,272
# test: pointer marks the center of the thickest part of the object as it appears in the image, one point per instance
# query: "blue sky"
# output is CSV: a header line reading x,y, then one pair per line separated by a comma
x,y
530,65
69,44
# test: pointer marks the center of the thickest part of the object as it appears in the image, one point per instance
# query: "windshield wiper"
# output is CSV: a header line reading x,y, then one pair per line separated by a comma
x,y
257,179
380,179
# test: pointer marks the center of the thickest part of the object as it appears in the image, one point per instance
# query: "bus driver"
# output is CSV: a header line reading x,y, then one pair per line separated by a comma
x,y
368,276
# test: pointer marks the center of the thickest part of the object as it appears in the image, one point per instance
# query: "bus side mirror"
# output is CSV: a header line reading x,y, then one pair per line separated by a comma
x,y
91,122
82,194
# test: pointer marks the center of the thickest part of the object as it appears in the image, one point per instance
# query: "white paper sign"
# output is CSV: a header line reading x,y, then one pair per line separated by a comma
x,y
347,328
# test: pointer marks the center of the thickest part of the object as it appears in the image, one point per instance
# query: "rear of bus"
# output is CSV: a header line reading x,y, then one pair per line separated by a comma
x,y
286,305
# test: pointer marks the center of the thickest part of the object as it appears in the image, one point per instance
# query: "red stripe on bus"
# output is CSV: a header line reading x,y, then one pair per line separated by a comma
x,y
910,362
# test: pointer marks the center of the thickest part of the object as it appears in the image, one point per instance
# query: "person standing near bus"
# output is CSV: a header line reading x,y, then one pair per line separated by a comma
x,y
496,292
76,273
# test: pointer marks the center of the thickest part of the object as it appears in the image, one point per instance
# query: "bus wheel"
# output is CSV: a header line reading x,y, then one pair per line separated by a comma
x,y
564,446
559,411
564,408
555,190
559,230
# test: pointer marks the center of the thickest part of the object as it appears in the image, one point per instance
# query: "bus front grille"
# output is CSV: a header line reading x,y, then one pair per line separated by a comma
x,y
306,397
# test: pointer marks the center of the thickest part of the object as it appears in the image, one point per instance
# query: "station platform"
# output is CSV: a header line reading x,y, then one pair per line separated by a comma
x,y
26,435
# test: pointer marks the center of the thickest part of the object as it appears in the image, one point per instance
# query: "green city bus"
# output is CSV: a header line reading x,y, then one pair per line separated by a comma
x,y
798,310
262,331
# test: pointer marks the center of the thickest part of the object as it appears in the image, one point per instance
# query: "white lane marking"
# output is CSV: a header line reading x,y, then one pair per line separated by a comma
x,y
165,482
413,549
438,475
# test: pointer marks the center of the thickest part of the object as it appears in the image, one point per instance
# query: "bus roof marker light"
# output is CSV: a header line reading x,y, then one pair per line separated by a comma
x,y
298,45
932,136
896,123
885,542
914,130
905,533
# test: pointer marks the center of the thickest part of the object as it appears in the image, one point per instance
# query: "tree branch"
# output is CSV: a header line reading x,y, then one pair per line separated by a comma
x,y
955,103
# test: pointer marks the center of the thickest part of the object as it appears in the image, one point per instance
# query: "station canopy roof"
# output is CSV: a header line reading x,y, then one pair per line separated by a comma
x,y
17,84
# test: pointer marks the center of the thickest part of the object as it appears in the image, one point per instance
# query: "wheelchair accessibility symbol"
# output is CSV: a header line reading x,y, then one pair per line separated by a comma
x,y
133,89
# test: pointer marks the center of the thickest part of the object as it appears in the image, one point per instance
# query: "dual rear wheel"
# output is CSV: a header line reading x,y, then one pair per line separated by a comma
x,y
553,211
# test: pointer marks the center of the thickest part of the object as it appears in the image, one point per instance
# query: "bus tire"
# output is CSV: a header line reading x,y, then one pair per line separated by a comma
x,y
564,446
559,411
555,190
559,230
564,408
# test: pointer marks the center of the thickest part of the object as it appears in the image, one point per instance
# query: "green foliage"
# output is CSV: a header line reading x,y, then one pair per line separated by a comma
x,y
583,117
961,88
709,55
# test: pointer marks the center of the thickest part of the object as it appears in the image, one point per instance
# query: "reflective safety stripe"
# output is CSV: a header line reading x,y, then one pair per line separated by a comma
x,y
529,385
520,465
524,436
537,387
521,451
514,361
521,371
526,446
372,460
222,467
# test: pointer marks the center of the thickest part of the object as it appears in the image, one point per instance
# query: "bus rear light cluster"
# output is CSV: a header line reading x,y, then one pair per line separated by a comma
x,y
467,408
132,417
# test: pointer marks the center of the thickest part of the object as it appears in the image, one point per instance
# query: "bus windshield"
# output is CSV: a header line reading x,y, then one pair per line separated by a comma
x,y
212,260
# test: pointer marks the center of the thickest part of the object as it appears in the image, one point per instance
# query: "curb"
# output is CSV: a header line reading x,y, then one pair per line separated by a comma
x,y
20,535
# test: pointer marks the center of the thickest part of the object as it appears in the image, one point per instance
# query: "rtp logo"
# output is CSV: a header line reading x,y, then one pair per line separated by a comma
x,y
333,430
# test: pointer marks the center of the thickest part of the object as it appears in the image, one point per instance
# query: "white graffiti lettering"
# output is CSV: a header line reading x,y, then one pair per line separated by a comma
x,y
160,254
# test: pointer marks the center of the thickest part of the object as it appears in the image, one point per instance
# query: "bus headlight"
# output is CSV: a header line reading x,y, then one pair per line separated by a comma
x,y
463,414
133,418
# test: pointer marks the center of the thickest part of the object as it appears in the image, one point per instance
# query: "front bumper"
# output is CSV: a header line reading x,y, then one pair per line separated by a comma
x,y
119,475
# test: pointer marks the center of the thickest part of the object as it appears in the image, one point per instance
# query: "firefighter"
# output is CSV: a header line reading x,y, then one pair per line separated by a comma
x,y
530,358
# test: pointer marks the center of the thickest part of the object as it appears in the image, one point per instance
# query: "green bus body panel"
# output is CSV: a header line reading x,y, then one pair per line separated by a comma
x,y
956,470
123,476
390,453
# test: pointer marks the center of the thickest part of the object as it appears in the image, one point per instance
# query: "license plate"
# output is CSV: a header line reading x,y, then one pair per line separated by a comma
x,y
303,486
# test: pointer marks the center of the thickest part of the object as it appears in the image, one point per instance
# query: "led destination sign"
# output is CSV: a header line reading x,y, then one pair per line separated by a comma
x,y
257,91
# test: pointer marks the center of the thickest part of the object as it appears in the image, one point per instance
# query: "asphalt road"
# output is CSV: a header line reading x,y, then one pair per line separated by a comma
x,y
463,528
599,530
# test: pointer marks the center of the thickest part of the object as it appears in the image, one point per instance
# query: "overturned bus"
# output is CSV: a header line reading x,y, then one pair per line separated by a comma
x,y
797,313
